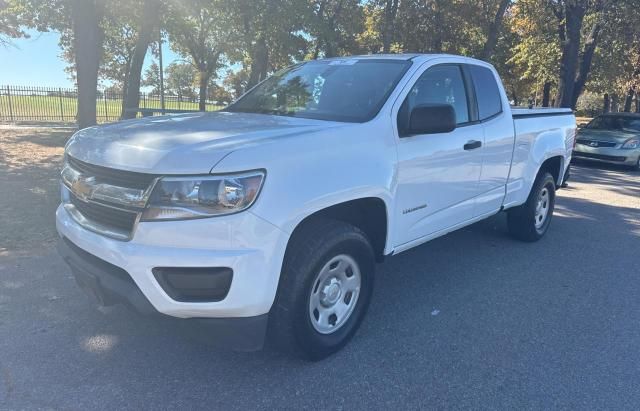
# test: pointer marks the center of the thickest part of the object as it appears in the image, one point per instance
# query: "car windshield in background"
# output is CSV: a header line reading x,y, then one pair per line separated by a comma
x,y
348,90
619,123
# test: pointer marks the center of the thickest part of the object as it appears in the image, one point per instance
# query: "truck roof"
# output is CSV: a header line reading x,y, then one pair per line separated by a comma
x,y
417,57
392,56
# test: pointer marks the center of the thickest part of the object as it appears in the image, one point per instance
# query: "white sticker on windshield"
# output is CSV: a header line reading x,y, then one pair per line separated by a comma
x,y
348,62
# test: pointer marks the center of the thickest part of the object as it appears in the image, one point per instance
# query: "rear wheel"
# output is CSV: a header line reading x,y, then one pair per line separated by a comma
x,y
530,221
325,289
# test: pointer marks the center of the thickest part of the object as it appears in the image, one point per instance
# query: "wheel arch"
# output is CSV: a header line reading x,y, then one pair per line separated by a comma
x,y
369,214
555,166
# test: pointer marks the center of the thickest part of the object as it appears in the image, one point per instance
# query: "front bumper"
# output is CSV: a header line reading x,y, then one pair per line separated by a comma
x,y
610,155
249,245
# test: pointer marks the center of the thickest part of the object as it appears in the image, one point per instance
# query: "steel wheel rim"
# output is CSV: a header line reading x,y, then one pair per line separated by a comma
x,y
334,294
542,207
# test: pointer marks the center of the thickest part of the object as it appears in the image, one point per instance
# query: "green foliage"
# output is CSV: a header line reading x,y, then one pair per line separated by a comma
x,y
152,78
245,40
179,80
10,22
590,104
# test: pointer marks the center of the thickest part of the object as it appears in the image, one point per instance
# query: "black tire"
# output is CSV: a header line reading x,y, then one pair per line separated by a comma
x,y
522,219
309,250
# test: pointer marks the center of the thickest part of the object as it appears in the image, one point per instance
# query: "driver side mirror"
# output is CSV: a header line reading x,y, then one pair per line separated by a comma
x,y
432,119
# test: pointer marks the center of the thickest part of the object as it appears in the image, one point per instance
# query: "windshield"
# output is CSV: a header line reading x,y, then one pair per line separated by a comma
x,y
619,123
338,90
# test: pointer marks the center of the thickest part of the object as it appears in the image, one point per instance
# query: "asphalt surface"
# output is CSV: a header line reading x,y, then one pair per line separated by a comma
x,y
470,320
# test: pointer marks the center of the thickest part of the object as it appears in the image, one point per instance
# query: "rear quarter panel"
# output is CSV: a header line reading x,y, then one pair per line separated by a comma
x,y
538,138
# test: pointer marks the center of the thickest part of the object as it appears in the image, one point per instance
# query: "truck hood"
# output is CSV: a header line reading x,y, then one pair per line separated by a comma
x,y
190,143
616,136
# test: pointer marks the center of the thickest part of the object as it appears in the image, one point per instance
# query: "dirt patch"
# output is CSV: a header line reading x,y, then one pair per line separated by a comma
x,y
30,161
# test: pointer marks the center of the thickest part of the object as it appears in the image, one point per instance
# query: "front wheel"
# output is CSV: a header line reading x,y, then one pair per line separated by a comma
x,y
325,289
530,221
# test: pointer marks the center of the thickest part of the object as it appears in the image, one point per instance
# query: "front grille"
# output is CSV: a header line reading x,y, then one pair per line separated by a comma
x,y
619,159
595,143
112,218
112,176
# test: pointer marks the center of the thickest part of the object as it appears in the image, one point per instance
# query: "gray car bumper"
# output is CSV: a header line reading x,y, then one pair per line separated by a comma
x,y
607,155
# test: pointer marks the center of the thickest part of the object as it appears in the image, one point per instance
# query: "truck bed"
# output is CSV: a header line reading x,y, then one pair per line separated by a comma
x,y
523,112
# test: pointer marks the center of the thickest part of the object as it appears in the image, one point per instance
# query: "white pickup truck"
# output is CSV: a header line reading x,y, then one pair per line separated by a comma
x,y
266,219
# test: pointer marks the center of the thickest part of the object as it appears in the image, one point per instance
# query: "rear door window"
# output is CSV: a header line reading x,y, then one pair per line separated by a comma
x,y
487,92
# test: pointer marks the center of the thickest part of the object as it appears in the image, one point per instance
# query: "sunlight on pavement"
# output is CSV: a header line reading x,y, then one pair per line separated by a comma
x,y
99,343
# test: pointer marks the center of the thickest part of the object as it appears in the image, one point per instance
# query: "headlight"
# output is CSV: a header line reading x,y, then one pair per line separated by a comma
x,y
631,143
202,196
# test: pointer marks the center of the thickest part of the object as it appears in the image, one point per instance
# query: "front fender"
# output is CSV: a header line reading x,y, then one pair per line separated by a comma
x,y
311,172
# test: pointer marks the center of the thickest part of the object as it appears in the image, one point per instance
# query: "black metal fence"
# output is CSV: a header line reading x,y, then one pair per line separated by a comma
x,y
53,104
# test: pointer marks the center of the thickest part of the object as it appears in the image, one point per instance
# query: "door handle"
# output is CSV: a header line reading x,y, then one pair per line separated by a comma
x,y
472,145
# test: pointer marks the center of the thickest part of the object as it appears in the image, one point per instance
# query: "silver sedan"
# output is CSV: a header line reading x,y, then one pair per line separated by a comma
x,y
611,138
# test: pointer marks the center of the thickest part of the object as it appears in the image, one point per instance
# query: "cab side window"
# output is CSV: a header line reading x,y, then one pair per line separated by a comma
x,y
442,84
487,92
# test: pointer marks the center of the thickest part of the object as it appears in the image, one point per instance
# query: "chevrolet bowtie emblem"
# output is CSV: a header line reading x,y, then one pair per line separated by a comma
x,y
83,187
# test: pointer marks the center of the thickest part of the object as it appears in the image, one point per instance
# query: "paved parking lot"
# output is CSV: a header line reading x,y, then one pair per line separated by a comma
x,y
471,320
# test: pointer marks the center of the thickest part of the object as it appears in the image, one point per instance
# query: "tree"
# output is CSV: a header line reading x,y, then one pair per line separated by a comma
x,y
334,26
494,30
268,35
390,15
148,25
573,73
218,93
10,24
152,78
88,37
180,78
236,82
198,29
119,45
80,24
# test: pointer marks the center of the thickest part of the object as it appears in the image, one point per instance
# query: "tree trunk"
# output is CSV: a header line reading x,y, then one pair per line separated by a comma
x,y
203,83
436,46
150,16
390,13
259,62
629,99
587,57
607,103
494,30
615,100
546,94
125,85
569,33
88,37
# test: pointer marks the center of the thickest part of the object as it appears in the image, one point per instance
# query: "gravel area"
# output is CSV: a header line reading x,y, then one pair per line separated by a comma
x,y
30,160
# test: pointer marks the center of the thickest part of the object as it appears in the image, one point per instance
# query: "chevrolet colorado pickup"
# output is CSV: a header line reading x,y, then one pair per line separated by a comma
x,y
265,220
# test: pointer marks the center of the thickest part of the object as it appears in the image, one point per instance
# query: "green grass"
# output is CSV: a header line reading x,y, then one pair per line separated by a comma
x,y
64,109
